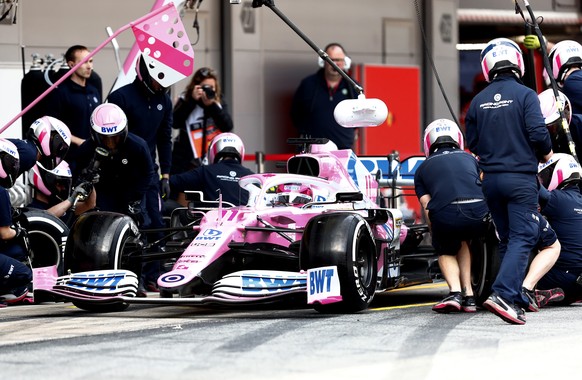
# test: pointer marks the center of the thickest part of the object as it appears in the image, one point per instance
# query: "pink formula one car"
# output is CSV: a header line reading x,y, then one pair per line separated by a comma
x,y
315,233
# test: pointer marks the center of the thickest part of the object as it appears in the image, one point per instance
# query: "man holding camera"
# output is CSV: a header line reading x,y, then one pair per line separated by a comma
x,y
200,114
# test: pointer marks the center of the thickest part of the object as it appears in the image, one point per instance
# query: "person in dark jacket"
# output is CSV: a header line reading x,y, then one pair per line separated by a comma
x,y
14,274
221,176
561,202
448,187
199,115
125,170
75,98
317,96
506,130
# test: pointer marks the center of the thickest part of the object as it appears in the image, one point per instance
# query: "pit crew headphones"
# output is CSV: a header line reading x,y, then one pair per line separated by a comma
x,y
347,60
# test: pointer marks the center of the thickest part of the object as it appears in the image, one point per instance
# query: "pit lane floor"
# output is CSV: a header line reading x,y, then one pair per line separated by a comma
x,y
398,337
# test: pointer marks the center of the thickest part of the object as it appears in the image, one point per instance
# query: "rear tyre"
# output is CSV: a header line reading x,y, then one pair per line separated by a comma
x,y
346,241
47,236
484,264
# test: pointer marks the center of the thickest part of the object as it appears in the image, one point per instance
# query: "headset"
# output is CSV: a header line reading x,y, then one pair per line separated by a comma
x,y
347,60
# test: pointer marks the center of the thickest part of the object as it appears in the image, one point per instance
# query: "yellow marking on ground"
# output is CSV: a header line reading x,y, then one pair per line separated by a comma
x,y
437,285
417,287
403,306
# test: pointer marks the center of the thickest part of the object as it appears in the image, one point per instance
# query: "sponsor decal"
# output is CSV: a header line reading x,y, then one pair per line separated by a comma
x,y
209,234
170,278
323,285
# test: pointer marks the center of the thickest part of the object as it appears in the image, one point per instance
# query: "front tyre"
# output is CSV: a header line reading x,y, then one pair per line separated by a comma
x,y
103,240
343,240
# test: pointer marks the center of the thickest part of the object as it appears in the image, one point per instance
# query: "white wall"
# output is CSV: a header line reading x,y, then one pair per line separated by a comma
x,y
10,77
266,66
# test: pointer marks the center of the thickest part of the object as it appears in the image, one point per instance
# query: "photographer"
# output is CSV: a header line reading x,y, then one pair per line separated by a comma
x,y
199,115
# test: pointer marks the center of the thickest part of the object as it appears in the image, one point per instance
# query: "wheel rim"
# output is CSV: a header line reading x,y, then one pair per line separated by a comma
x,y
41,239
364,259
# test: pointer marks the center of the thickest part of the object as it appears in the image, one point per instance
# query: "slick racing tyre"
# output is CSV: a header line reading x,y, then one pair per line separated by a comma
x,y
47,236
102,240
346,241
484,264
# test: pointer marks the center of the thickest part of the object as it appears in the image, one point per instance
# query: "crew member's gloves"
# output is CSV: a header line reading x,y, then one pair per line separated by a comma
x,y
165,188
21,233
135,212
531,41
81,192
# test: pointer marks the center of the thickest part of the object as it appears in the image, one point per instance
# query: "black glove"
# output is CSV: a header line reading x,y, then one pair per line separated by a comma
x,y
19,218
21,234
90,175
165,188
135,212
81,192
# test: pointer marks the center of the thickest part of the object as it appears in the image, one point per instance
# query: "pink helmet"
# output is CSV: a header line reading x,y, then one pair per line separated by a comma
x,y
109,126
52,139
560,170
442,131
564,54
56,182
9,163
501,54
226,144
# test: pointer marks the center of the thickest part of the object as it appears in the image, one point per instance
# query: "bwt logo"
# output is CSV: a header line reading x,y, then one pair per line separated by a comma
x,y
96,282
109,129
62,133
209,234
443,129
320,281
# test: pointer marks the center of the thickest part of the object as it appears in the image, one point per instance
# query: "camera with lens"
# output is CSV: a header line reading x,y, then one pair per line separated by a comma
x,y
210,93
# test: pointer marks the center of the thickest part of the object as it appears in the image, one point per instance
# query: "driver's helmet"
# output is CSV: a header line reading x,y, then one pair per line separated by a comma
x,y
52,139
226,144
501,54
560,170
564,55
550,110
145,76
109,126
9,163
291,194
441,132
56,182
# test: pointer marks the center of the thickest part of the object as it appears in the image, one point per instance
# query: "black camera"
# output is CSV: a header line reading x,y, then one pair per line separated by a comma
x,y
210,93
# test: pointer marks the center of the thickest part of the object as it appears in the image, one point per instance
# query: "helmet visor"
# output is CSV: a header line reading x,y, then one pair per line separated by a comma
x,y
60,186
58,145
